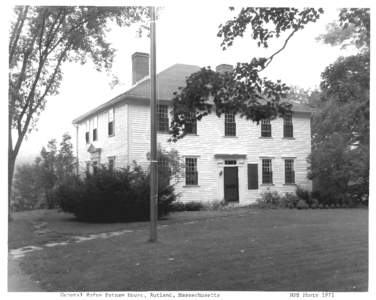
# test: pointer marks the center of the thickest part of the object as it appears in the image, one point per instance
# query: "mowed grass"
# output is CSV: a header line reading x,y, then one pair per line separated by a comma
x,y
246,250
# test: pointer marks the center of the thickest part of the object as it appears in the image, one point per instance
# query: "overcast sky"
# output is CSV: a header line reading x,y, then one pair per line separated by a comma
x,y
185,34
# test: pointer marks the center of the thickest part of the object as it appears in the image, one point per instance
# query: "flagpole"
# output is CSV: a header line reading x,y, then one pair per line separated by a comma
x,y
153,133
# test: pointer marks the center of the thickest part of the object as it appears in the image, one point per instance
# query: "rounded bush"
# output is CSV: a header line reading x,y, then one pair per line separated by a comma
x,y
193,206
302,204
112,196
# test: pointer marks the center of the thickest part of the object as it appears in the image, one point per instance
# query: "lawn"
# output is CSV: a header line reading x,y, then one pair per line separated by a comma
x,y
239,249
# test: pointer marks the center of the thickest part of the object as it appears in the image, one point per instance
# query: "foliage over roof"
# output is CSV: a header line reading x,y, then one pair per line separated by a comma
x,y
168,82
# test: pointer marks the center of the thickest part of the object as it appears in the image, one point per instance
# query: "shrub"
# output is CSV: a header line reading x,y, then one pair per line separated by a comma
x,y
302,204
304,194
178,206
217,205
193,206
269,199
112,196
315,203
289,200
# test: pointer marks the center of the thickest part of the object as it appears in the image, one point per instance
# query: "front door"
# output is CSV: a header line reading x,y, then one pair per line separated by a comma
x,y
231,184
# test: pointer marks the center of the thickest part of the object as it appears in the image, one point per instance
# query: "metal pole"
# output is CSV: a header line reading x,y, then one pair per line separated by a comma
x,y
153,134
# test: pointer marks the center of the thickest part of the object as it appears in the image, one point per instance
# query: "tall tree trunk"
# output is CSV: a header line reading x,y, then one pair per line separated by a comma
x,y
11,164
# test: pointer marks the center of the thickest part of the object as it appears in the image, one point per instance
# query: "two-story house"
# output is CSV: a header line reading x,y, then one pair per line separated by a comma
x,y
227,158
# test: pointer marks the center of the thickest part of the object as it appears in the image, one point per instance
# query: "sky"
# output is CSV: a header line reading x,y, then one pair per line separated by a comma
x,y
185,34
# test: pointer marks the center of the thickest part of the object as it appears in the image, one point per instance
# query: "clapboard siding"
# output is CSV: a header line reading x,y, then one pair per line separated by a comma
x,y
132,143
110,146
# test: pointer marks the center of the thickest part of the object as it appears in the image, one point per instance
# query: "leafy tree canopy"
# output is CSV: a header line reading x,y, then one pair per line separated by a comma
x,y
352,28
340,127
242,90
41,40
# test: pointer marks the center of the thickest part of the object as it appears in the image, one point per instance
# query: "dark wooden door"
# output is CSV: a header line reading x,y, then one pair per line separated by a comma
x,y
231,184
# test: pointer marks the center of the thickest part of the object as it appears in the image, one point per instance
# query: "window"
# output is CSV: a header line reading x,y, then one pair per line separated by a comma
x,y
191,175
87,132
111,162
266,128
289,171
230,162
111,116
230,125
288,129
95,128
267,174
191,123
163,118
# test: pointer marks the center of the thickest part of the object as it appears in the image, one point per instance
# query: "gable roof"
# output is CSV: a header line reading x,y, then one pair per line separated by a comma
x,y
168,82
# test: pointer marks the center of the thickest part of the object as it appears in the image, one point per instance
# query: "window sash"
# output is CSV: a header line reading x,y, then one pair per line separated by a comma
x,y
289,171
111,119
191,174
288,130
191,124
111,114
87,132
95,134
266,128
111,128
230,125
267,173
163,118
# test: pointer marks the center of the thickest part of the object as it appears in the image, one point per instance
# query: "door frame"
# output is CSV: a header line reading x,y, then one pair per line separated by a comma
x,y
237,183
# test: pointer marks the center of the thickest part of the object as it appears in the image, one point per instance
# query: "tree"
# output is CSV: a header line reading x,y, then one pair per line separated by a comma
x,y
65,160
48,171
41,40
242,90
34,184
340,127
28,192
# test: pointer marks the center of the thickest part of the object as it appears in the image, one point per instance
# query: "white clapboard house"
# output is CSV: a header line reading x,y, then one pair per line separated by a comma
x,y
227,158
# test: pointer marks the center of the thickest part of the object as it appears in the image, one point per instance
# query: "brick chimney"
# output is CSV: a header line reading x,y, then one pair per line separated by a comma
x,y
140,66
223,68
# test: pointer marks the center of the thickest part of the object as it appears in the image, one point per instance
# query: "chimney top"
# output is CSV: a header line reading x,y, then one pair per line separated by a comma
x,y
223,68
140,66
140,54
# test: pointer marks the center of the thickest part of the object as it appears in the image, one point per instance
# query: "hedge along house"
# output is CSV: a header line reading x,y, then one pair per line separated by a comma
x,y
227,158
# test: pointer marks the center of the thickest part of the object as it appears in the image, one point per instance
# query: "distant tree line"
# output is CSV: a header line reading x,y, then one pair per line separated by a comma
x,y
34,183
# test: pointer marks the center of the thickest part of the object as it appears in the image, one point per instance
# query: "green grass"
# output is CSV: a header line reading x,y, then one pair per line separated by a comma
x,y
240,249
